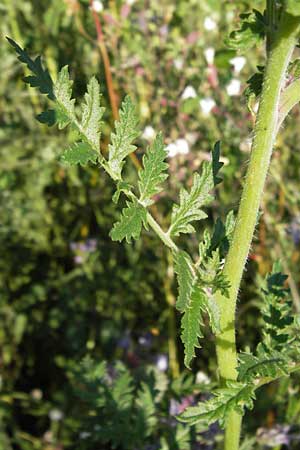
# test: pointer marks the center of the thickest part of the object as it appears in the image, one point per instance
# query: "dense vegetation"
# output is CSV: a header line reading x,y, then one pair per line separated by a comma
x,y
91,355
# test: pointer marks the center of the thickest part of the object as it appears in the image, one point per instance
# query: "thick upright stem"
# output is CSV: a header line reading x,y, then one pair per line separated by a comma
x,y
264,135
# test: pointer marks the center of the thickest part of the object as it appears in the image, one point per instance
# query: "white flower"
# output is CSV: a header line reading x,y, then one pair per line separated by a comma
x,y
148,133
179,147
202,378
162,363
233,87
209,54
130,2
238,63
182,146
206,105
36,394
178,63
209,24
97,6
48,436
172,150
84,435
189,92
56,415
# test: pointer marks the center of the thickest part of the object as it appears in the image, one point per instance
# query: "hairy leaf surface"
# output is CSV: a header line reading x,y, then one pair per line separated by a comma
x,y
251,32
79,153
191,203
192,322
235,396
154,171
92,113
121,140
133,217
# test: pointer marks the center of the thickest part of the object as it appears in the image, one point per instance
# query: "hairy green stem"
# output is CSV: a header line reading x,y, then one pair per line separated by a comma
x,y
265,130
161,234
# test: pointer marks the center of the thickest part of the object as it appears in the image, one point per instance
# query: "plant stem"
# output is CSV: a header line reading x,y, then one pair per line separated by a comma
x,y
265,130
161,234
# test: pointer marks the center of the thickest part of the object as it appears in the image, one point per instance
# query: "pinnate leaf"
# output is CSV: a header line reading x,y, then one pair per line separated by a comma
x,y
251,32
133,217
41,78
192,322
79,153
121,140
235,396
65,110
153,173
265,364
191,203
92,113
183,268
193,301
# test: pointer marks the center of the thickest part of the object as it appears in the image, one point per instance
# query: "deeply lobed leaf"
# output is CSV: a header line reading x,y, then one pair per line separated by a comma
x,y
121,140
92,113
235,396
252,30
41,78
193,301
65,109
266,363
185,277
79,153
153,172
192,322
133,217
191,203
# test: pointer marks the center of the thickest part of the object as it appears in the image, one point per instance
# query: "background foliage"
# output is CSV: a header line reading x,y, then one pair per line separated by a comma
x,y
89,340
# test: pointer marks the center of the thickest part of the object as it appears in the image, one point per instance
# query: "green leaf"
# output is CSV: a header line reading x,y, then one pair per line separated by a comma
x,y
130,224
254,88
191,324
265,364
191,203
214,314
293,7
41,78
251,32
216,164
153,173
79,153
65,111
92,113
48,117
146,417
193,301
185,277
276,311
121,140
235,396
222,235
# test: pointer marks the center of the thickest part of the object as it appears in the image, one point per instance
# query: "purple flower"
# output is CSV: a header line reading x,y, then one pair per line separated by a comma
x,y
177,407
271,437
294,230
78,259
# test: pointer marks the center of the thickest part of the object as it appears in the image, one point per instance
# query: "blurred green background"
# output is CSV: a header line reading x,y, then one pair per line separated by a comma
x,y
90,352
